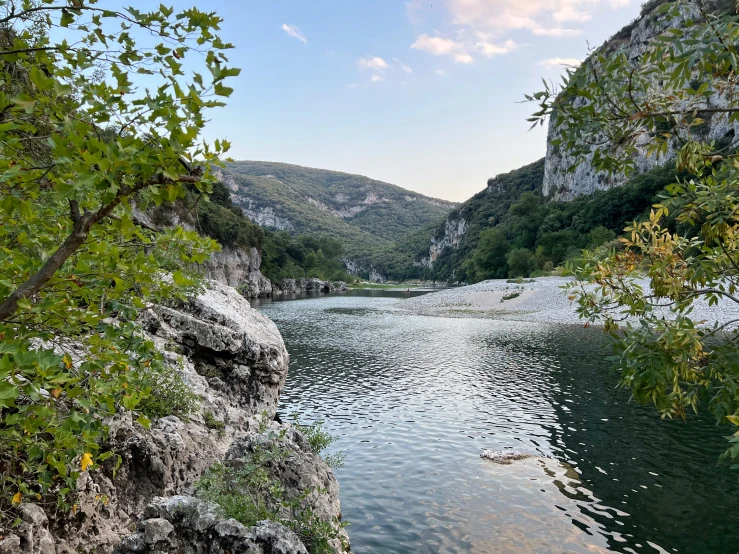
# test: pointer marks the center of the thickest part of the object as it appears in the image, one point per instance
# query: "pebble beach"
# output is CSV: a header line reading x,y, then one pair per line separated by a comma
x,y
537,300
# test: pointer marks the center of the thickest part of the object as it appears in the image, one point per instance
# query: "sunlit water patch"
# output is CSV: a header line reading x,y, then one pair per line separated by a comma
x,y
414,400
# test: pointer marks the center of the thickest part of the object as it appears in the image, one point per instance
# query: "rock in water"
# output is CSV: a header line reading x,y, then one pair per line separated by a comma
x,y
504,457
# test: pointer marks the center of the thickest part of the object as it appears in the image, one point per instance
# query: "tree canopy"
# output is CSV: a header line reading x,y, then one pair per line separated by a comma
x,y
100,116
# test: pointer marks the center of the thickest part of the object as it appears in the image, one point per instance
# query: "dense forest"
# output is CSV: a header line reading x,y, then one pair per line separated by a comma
x,y
513,231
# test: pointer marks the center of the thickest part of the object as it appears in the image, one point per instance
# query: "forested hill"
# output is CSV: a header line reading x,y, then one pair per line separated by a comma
x,y
511,230
360,212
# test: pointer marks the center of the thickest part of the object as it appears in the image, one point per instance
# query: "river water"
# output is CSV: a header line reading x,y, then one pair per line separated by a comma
x,y
415,399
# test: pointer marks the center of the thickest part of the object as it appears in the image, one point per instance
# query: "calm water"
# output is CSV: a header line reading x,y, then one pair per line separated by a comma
x,y
415,399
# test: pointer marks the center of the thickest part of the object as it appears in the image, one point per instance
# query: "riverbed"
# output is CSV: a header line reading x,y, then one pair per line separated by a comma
x,y
414,400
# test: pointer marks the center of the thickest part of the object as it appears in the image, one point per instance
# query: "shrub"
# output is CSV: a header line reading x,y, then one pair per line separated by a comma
x,y
170,395
249,494
212,423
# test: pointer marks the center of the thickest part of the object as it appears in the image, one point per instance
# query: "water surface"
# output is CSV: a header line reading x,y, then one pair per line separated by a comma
x,y
415,399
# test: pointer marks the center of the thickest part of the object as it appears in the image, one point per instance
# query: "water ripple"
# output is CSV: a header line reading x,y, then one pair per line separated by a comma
x,y
415,399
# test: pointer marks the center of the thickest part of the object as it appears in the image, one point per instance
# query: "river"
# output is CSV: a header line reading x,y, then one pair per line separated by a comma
x,y
414,400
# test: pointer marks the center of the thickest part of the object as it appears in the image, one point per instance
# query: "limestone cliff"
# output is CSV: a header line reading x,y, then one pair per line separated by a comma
x,y
562,184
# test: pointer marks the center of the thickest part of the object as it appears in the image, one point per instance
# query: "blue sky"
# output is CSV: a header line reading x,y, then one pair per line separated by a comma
x,y
422,94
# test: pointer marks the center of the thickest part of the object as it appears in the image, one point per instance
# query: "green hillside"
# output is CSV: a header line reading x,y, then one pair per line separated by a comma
x,y
364,214
512,230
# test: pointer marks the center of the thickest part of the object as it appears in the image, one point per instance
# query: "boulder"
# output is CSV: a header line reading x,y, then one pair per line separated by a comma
x,y
183,524
234,359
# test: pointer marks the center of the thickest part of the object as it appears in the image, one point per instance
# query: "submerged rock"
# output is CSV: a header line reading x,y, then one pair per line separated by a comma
x,y
505,457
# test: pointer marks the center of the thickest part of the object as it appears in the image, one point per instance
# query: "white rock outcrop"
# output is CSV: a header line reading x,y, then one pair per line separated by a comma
x,y
235,360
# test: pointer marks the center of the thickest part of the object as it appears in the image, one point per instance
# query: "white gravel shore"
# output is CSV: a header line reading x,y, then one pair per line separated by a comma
x,y
540,301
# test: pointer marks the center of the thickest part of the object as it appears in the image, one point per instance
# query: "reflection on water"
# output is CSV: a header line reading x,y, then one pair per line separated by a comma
x,y
415,399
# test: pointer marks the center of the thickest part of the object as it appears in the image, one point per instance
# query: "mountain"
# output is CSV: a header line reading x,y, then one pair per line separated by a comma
x,y
362,213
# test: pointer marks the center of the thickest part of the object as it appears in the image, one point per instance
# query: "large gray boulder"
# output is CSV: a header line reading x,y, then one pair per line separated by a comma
x,y
186,525
235,361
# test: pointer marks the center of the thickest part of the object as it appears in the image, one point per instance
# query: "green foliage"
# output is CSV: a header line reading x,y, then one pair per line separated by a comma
x,y
225,222
284,256
520,262
212,423
550,232
249,494
510,296
319,440
80,138
168,395
687,250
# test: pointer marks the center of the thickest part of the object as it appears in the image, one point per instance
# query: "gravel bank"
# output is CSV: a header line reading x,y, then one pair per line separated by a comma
x,y
540,301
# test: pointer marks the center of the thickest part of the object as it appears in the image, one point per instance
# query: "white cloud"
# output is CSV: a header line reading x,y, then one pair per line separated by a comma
x,y
380,67
402,66
491,50
560,62
294,32
373,63
461,51
437,46
440,72
553,18
463,58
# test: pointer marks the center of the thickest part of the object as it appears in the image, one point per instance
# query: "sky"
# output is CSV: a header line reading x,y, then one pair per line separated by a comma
x,y
424,94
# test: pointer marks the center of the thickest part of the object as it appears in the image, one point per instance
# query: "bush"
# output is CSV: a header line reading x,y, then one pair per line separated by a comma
x,y
249,494
212,423
319,440
170,395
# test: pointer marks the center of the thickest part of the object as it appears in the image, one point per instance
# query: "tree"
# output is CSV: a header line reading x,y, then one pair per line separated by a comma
x,y
520,261
99,121
688,248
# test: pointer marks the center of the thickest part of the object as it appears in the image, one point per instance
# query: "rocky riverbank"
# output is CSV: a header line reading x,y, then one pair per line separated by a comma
x,y
234,361
294,286
536,300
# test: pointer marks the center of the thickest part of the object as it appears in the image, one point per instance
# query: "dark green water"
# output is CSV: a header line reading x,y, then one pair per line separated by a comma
x,y
415,399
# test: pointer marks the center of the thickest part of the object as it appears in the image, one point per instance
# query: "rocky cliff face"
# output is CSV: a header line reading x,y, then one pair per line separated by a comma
x,y
239,268
234,359
454,230
635,39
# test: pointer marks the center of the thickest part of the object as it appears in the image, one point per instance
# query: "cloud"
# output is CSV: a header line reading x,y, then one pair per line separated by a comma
x,y
461,51
380,67
373,63
553,18
402,66
294,32
437,46
560,62
440,72
491,50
